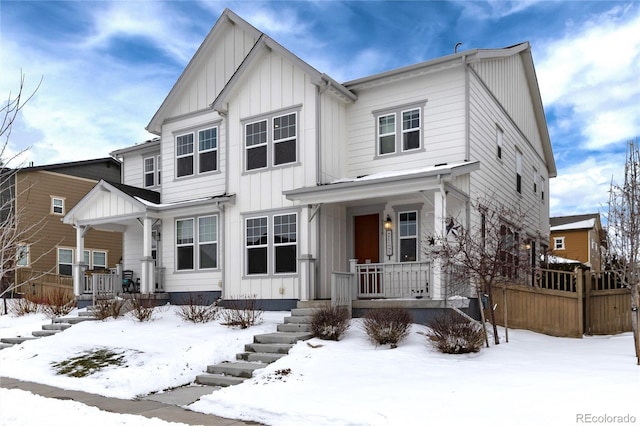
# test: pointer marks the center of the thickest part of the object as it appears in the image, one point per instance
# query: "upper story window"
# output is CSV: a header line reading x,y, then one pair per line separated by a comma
x,y
536,179
271,141
201,157
57,205
542,185
22,255
399,129
558,243
149,172
518,171
499,141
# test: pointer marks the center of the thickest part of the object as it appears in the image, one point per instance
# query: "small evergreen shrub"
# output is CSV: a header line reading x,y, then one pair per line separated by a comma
x,y
330,322
195,309
451,333
242,312
387,325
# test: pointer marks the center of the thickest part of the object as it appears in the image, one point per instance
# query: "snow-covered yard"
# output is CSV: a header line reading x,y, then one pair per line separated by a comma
x,y
532,380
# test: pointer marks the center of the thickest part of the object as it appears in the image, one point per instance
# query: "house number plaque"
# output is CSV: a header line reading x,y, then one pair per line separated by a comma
x,y
389,240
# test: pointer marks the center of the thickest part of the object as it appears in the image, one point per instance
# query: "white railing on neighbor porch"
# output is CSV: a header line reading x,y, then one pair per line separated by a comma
x,y
393,280
102,284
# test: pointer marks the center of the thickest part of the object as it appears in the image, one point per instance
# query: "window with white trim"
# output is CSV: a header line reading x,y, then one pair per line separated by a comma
x,y
499,141
158,168
197,243
398,130
57,205
208,150
558,243
542,187
196,152
149,164
271,244
22,255
99,259
408,236
65,261
271,141
518,171
184,155
536,178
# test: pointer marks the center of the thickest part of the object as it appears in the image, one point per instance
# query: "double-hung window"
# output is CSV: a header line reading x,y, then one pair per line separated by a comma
x,y
408,236
149,172
196,156
272,244
399,130
65,261
184,155
519,171
271,141
99,259
57,205
208,150
197,248
22,255
558,243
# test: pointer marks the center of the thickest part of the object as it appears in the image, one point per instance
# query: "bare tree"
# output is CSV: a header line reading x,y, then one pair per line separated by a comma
x,y
483,253
623,222
15,230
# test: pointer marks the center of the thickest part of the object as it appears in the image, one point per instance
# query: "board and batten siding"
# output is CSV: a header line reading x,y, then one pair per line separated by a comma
x,y
512,93
443,122
198,185
496,178
212,71
333,138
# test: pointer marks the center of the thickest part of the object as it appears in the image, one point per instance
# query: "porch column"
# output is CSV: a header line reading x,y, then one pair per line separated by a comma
x,y
147,270
78,264
440,230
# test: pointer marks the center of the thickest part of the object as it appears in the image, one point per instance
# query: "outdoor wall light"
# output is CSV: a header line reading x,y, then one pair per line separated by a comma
x,y
387,223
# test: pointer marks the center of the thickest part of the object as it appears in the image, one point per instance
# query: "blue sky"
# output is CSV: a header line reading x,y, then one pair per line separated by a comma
x,y
106,66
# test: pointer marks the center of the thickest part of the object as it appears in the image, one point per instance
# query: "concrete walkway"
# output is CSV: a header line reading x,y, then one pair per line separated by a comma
x,y
163,406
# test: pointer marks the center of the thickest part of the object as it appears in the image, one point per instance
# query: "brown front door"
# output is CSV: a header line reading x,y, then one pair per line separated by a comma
x,y
367,238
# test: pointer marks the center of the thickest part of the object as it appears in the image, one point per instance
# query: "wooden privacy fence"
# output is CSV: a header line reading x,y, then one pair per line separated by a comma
x,y
38,284
565,304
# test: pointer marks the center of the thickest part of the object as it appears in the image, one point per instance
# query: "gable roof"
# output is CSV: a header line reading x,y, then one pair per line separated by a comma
x,y
148,144
583,221
133,191
225,20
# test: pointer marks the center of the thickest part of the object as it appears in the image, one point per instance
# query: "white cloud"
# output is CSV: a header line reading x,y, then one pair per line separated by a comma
x,y
592,73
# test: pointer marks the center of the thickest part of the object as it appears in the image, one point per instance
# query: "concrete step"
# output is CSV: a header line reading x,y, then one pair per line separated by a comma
x,y
86,313
218,380
272,348
281,337
59,326
303,312
236,369
313,303
45,333
16,340
298,320
5,345
72,320
292,327
264,357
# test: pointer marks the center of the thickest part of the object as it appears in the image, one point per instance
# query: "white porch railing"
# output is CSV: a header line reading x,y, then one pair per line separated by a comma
x,y
342,289
393,280
102,284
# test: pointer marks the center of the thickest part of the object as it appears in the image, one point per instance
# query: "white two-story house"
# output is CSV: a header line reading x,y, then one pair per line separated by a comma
x,y
269,179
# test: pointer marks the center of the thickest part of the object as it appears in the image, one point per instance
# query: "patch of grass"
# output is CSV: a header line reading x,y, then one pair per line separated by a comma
x,y
89,362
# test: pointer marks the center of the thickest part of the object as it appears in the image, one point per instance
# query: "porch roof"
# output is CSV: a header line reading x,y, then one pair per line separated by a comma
x,y
381,184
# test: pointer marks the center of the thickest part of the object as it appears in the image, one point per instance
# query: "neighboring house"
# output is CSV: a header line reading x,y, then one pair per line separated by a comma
x,y
41,196
579,237
272,176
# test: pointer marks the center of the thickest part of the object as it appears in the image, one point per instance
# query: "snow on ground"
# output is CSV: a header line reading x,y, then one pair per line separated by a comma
x,y
53,412
532,380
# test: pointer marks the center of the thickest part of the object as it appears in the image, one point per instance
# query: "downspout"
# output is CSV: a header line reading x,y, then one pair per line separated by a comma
x,y
223,269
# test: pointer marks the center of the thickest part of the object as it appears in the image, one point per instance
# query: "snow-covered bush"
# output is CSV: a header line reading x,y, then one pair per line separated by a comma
x,y
387,325
330,322
451,333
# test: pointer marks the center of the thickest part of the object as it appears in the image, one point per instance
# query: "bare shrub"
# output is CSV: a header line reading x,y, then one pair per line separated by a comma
x,y
23,306
387,325
142,308
58,302
114,308
196,310
451,333
330,322
242,312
